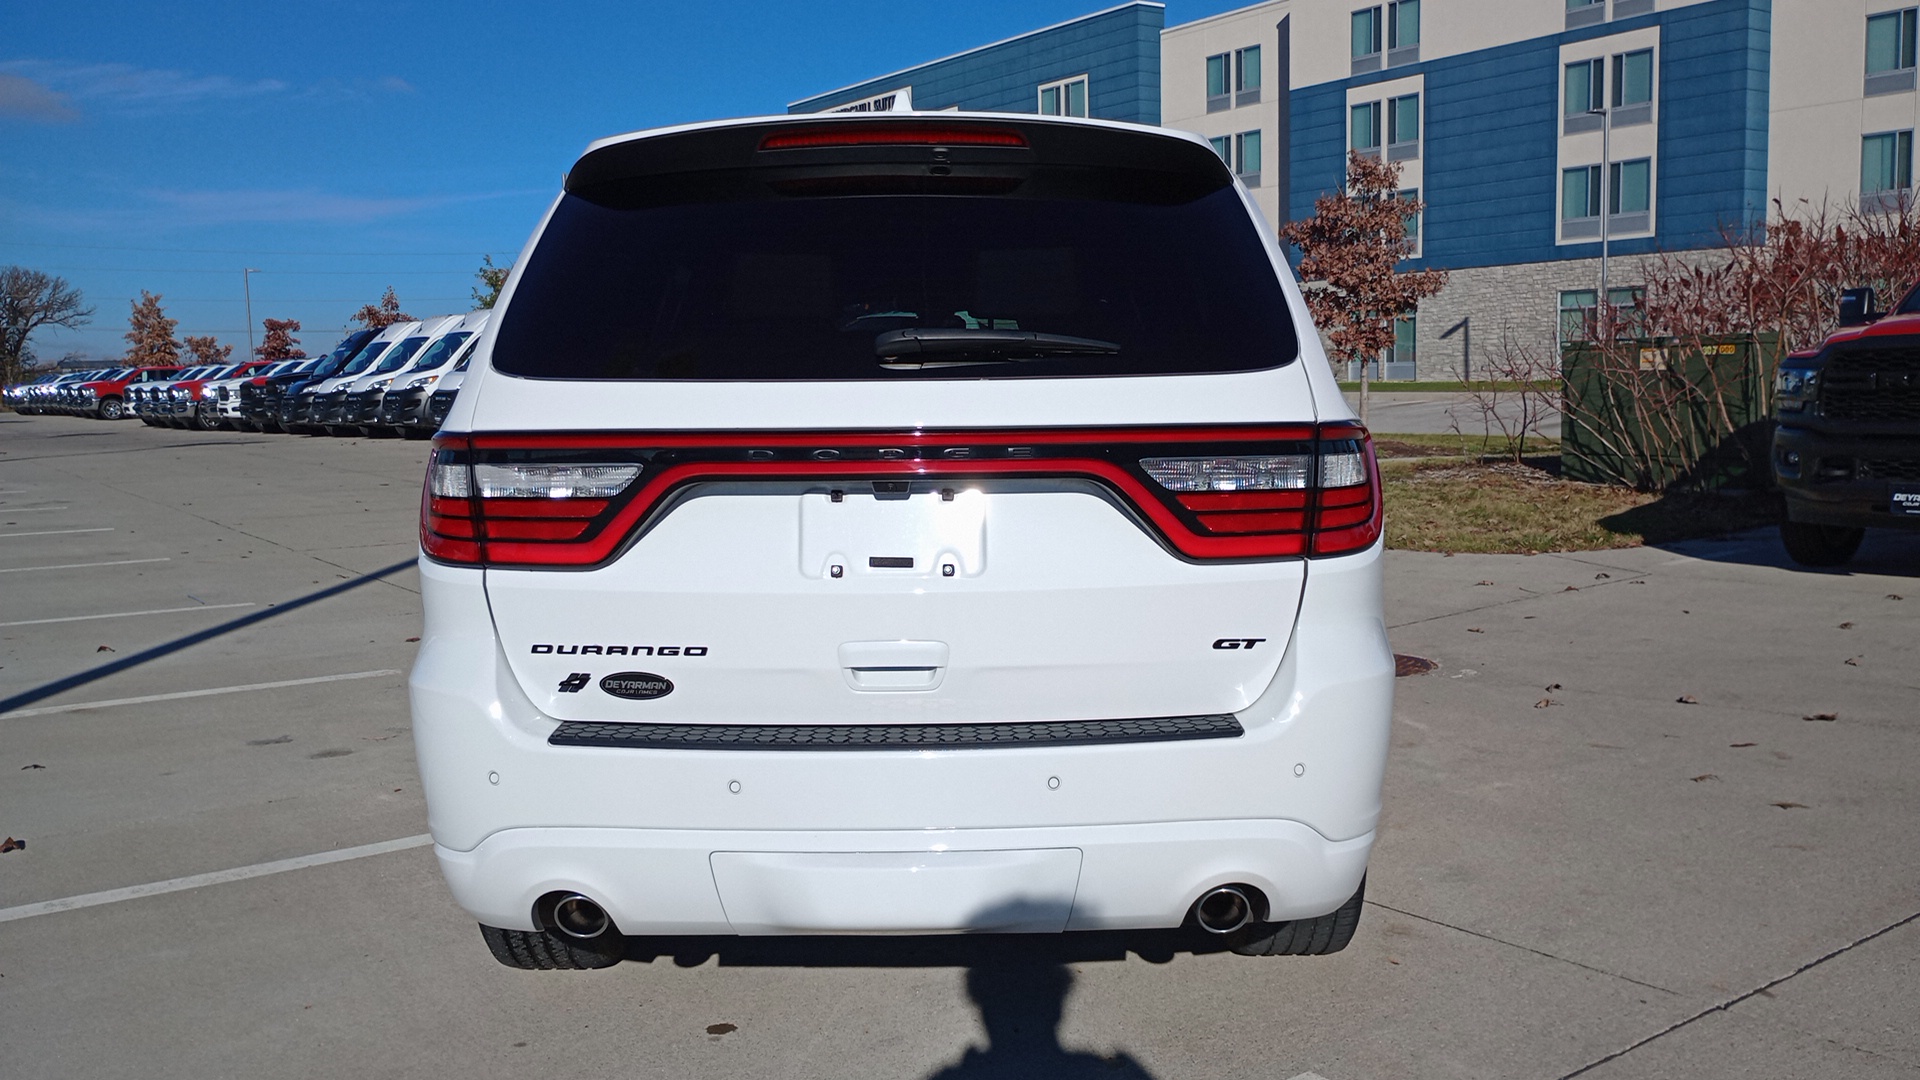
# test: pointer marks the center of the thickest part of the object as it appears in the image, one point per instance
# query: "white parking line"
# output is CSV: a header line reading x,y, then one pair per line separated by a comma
x,y
83,565
217,877
125,614
56,532
45,710
30,509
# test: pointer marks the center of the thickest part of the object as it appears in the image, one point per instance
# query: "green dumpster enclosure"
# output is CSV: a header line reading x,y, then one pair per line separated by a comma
x,y
1659,413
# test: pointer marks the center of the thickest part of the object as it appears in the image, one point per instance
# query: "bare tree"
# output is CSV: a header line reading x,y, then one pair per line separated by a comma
x,y
1349,249
206,349
30,300
492,280
382,315
150,333
279,342
1516,397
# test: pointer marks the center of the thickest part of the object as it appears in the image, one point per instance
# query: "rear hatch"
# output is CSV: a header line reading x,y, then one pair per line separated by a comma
x,y
972,420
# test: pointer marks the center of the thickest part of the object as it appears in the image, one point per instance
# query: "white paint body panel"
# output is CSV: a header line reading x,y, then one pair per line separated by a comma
x,y
1060,607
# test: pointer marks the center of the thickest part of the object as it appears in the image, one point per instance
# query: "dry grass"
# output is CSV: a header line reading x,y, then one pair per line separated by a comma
x,y
1469,505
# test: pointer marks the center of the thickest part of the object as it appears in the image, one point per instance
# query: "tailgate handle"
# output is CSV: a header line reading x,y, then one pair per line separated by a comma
x,y
893,665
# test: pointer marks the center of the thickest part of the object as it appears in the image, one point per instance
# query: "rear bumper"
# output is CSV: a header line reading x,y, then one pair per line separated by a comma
x,y
1289,807
1098,877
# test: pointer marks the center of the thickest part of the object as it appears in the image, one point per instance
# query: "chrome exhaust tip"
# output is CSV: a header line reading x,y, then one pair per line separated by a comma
x,y
578,917
1223,910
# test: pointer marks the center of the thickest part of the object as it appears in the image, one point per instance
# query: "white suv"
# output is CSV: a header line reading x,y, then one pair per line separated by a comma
x,y
892,524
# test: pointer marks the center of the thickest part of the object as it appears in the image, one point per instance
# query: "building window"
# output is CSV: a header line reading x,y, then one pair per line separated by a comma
x,y
1580,314
1404,333
1366,37
1241,153
1219,82
1366,33
1403,128
1363,128
1580,203
1246,157
1403,25
1410,221
1068,97
1632,78
1246,75
1585,12
1890,52
1890,41
1886,169
1582,95
1629,187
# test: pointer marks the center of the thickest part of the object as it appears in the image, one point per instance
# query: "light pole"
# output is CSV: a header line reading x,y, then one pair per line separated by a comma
x,y
1606,208
246,286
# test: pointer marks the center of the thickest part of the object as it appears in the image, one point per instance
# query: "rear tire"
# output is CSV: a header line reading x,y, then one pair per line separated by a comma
x,y
1304,937
548,950
1820,545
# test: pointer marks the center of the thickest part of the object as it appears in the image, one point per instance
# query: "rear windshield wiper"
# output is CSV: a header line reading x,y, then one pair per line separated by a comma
x,y
917,347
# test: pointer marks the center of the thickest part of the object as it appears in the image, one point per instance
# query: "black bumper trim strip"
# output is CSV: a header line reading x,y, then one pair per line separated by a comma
x,y
892,736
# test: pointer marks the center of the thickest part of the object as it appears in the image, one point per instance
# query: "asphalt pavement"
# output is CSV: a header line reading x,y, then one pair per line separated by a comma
x,y
1652,816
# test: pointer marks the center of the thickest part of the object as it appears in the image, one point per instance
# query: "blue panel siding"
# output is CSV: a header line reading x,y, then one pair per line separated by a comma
x,y
1118,51
1492,129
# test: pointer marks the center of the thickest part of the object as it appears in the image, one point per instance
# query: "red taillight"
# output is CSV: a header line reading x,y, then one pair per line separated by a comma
x,y
1208,493
860,133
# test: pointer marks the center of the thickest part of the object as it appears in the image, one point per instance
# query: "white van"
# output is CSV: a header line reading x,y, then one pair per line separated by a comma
x,y
404,404
329,396
361,406
866,524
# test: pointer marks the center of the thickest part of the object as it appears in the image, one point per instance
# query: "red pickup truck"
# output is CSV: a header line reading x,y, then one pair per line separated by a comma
x,y
1846,453
106,398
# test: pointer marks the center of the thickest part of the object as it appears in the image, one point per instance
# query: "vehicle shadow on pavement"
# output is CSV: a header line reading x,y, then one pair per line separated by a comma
x,y
1018,982
167,648
1885,552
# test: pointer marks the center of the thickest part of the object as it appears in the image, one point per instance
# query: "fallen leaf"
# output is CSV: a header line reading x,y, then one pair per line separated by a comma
x,y
1392,961
1846,626
24,768
10,844
721,1029
1477,630
1601,577
1554,686
1738,745
1483,583
1895,596
1687,699
1544,702
1684,611
1852,661
1703,776
1823,716
104,648
1792,806
413,639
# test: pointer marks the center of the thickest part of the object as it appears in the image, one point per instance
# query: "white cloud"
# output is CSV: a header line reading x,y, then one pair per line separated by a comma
x,y
126,87
25,98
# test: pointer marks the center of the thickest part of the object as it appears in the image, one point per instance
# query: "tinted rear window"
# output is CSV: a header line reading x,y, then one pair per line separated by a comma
x,y
762,285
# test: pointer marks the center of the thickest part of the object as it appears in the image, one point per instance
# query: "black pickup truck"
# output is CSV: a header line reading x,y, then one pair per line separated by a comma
x,y
1846,452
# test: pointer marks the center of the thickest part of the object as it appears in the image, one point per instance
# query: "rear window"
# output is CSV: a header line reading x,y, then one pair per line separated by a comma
x,y
1075,272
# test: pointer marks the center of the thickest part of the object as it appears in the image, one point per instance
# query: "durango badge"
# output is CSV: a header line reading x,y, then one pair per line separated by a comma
x,y
637,685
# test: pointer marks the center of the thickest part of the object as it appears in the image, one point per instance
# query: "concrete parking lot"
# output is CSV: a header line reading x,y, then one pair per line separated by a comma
x,y
1653,815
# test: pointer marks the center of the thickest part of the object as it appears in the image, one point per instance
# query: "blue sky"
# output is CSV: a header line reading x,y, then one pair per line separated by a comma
x,y
343,147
